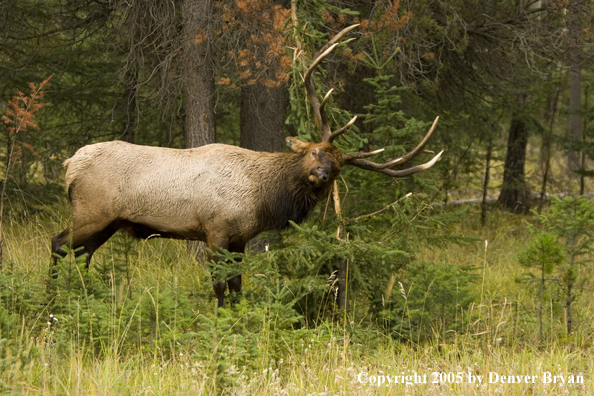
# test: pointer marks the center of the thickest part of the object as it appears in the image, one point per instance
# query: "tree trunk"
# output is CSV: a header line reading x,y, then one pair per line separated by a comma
x,y
540,308
568,307
199,83
129,106
262,117
574,131
548,144
262,121
514,194
583,159
570,280
198,73
487,177
265,97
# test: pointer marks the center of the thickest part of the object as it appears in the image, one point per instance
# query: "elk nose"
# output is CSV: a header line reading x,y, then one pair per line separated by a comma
x,y
322,174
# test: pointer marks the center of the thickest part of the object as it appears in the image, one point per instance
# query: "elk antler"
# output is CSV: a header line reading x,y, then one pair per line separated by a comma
x,y
318,108
357,159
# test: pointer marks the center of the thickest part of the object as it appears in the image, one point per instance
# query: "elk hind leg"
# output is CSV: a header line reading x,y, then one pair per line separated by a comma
x,y
57,252
95,241
90,237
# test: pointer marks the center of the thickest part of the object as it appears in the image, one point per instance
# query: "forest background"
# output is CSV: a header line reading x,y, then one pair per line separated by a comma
x,y
485,265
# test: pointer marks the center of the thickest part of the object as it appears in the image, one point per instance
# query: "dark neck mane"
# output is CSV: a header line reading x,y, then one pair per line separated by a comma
x,y
290,197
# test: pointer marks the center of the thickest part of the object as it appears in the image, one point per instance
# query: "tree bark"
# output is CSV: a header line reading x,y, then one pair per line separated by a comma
x,y
262,117
568,306
570,280
263,108
574,131
542,291
199,83
198,73
548,144
583,154
129,105
487,177
514,194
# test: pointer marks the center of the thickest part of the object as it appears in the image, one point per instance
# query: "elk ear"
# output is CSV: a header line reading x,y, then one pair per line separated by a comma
x,y
297,145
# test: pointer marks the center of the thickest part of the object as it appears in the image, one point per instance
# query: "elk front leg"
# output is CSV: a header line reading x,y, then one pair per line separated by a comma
x,y
220,285
215,245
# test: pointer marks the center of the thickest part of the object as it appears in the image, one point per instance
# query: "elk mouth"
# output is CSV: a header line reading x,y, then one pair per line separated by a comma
x,y
319,176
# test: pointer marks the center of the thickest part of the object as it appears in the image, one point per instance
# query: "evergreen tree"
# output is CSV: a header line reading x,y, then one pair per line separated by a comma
x,y
544,253
571,219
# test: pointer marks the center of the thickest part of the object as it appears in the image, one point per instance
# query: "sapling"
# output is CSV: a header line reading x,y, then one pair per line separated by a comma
x,y
542,254
571,219
559,251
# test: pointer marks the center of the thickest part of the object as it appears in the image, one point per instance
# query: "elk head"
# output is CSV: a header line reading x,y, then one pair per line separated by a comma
x,y
321,161
326,147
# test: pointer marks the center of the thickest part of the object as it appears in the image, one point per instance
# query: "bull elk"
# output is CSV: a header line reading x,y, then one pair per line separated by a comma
x,y
220,194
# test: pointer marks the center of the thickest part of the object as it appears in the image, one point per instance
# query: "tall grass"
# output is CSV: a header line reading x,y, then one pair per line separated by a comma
x,y
161,334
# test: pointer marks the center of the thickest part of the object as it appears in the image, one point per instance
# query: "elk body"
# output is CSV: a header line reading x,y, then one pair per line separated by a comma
x,y
220,194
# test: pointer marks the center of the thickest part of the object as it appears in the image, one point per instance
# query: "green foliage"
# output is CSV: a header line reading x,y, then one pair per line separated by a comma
x,y
564,249
169,329
572,220
93,306
371,253
390,124
393,131
431,301
237,337
543,252
19,305
19,300
378,245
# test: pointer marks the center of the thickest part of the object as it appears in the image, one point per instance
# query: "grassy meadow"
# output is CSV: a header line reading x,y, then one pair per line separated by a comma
x,y
143,321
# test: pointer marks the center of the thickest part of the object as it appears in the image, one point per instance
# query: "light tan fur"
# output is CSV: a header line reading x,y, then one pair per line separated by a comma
x,y
168,189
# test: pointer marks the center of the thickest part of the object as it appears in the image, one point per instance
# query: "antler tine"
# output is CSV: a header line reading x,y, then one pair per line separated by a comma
x,y
364,164
412,154
399,160
342,130
325,100
340,34
365,154
318,108
310,87
357,159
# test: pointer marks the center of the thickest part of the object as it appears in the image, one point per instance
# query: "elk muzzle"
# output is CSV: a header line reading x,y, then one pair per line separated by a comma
x,y
319,175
